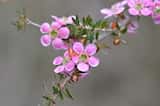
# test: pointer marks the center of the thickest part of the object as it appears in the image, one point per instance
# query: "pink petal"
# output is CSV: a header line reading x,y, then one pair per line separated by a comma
x,y
131,3
59,69
118,10
58,43
83,67
146,12
93,61
66,54
133,11
63,32
75,59
69,66
107,12
45,40
45,28
83,75
55,25
59,20
78,47
69,20
58,60
91,49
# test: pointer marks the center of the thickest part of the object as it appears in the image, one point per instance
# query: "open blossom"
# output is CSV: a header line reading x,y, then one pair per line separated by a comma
x,y
156,12
115,9
84,56
140,7
64,64
54,34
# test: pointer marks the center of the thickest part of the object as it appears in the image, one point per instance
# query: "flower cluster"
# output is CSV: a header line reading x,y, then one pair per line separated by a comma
x,y
80,39
135,8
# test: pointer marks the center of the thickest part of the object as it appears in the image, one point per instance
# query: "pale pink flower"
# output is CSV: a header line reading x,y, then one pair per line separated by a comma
x,y
115,9
85,56
140,7
54,33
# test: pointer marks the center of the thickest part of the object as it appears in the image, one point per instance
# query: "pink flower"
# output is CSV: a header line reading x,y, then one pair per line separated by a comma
x,y
84,56
64,20
140,7
54,33
156,12
64,64
115,9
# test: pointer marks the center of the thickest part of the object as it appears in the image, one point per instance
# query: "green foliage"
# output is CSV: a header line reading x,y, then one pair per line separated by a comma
x,y
87,21
101,24
67,93
55,89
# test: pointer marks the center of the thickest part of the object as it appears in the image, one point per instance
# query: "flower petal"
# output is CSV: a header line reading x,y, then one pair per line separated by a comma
x,y
83,75
156,19
83,67
70,19
63,32
45,40
75,59
132,27
59,69
58,43
146,12
93,61
91,49
133,11
78,47
58,20
131,3
107,12
45,28
58,60
55,25
69,66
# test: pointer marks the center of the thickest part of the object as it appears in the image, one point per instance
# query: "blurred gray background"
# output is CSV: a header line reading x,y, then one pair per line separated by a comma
x,y
128,76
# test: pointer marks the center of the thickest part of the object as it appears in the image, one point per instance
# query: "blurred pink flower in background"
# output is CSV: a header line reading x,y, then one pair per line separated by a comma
x,y
115,9
140,7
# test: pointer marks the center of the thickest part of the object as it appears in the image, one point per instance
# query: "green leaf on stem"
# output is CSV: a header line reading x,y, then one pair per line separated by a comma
x,y
68,94
60,94
55,89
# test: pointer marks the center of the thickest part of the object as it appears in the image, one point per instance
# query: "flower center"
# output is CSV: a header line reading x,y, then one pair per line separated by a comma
x,y
53,33
139,6
83,57
157,10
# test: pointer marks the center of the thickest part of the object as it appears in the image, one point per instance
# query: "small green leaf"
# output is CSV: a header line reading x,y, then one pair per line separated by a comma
x,y
55,89
49,99
90,37
61,95
68,94
124,30
97,35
